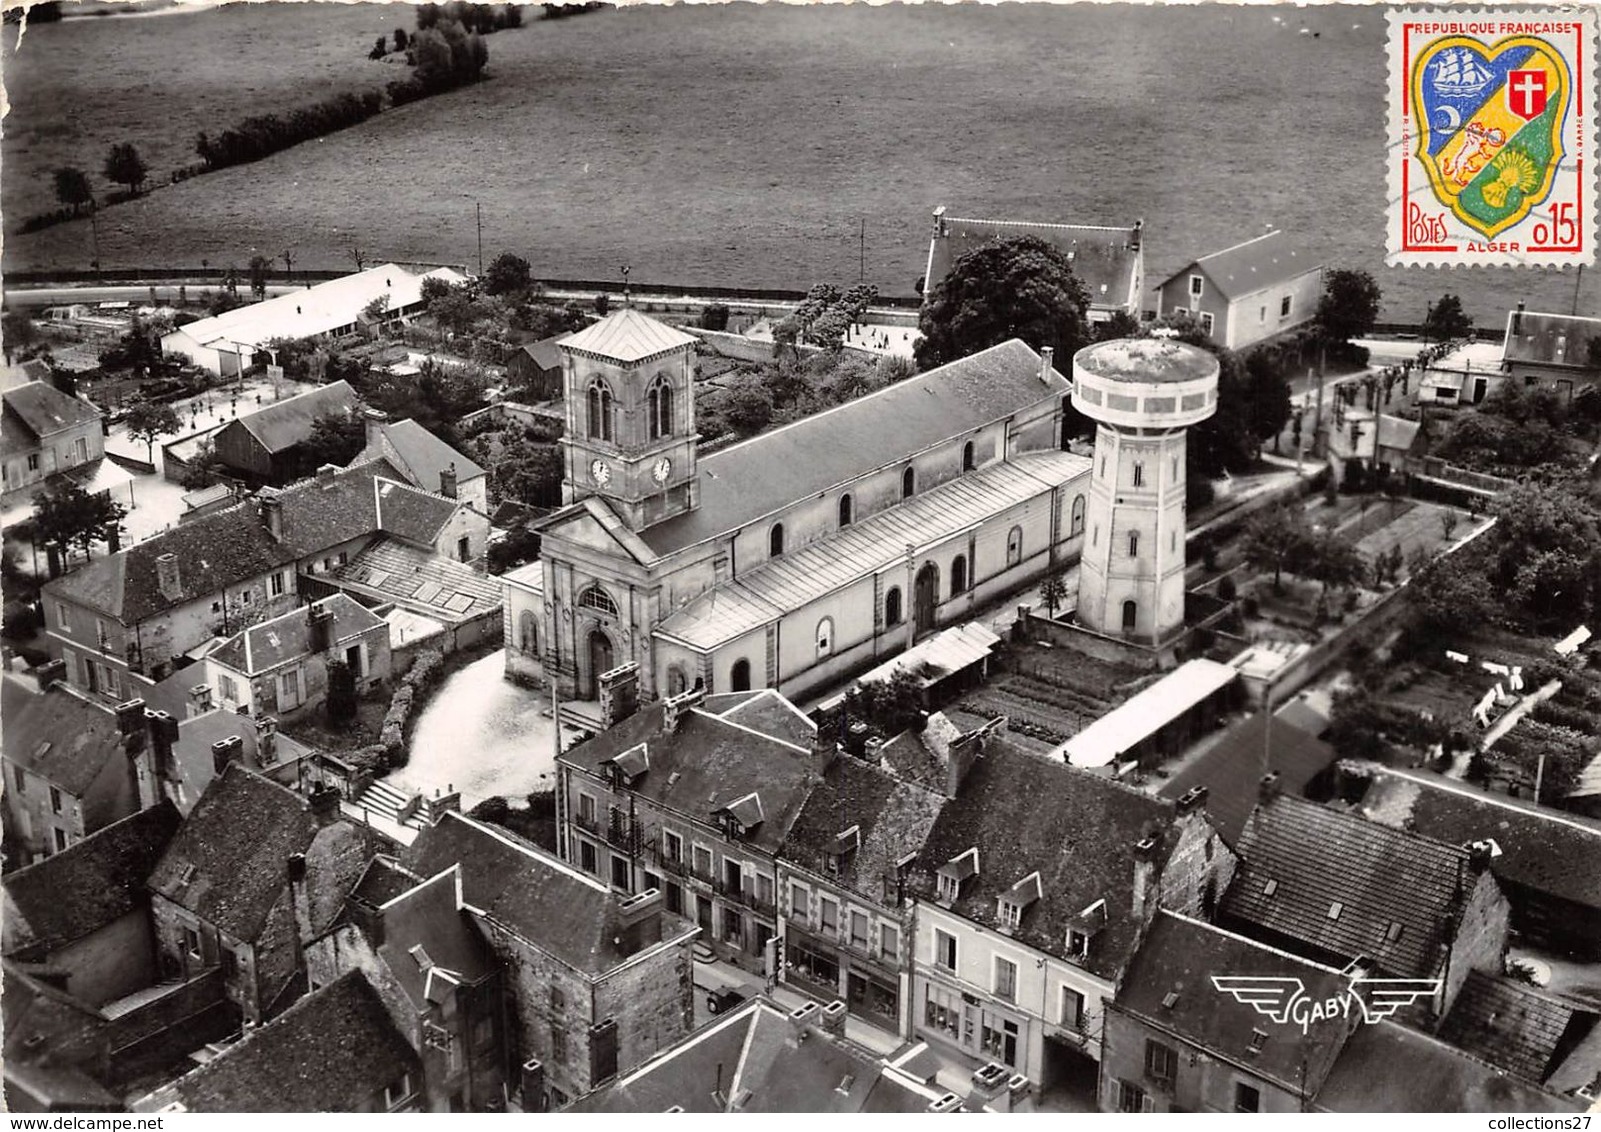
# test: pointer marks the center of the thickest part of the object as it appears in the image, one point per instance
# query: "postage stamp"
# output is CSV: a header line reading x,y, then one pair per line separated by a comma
x,y
1491,147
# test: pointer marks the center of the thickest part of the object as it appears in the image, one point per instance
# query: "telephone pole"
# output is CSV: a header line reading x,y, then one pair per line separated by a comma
x,y
478,209
861,266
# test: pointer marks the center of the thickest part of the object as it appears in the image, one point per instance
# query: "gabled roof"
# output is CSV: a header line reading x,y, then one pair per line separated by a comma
x,y
708,764
1169,985
1345,886
1106,259
1515,1026
1078,830
283,425
1550,340
626,336
44,409
333,508
1145,713
410,514
420,456
333,1051
756,477
544,352
1250,266
1231,769
87,885
271,643
62,738
429,943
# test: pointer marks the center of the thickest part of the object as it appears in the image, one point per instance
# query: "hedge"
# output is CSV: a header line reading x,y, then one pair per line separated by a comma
x,y
424,673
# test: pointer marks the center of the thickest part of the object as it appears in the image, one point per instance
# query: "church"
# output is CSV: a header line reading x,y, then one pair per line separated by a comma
x,y
798,557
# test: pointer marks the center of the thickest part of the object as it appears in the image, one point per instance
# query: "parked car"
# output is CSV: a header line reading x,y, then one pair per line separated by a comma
x,y
725,997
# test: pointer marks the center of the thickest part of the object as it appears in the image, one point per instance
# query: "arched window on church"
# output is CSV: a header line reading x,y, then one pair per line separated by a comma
x,y
527,633
600,411
775,541
739,676
659,407
959,575
825,637
967,457
908,483
845,510
892,606
1076,526
599,600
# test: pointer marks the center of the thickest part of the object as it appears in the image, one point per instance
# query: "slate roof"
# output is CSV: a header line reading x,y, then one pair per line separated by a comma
x,y
1549,340
1261,262
544,352
1077,829
263,647
213,551
65,740
626,336
761,475
707,764
227,862
428,917
334,508
770,713
1231,770
545,901
1380,878
384,879
87,885
410,514
1176,963
334,1049
1104,258
42,409
1515,1026
1543,850
420,456
415,578
288,422
1391,1068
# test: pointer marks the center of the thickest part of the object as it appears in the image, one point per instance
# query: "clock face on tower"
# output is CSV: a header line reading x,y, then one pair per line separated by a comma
x,y
600,472
663,469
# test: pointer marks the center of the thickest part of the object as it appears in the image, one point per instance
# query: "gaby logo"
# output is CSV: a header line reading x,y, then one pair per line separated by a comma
x,y
1283,999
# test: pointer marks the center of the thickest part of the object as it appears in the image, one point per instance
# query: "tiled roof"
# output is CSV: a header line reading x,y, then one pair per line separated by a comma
x,y
801,576
544,900
707,764
87,885
1542,850
410,514
1514,1026
271,643
333,508
227,863
288,423
756,477
44,409
544,352
15,434
627,336
1169,984
1345,886
1102,257
1250,266
334,1050
1231,769
1391,1068
213,551
422,456
65,740
1077,829
770,713
428,917
419,579
1549,339
384,879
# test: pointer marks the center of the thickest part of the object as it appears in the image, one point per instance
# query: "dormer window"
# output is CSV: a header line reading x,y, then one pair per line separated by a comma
x,y
740,816
1016,900
1078,943
627,768
844,848
953,872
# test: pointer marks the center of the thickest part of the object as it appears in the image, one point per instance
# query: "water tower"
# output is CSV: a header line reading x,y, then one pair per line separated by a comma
x,y
1143,394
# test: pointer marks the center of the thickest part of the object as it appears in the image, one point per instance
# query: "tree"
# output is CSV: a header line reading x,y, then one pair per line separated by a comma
x,y
508,274
1349,305
148,420
1019,288
380,48
1275,540
1120,325
260,265
1447,320
401,39
714,317
1330,558
65,515
1053,592
433,288
335,439
747,407
527,472
341,703
454,312
17,332
1266,398
378,309
73,189
125,166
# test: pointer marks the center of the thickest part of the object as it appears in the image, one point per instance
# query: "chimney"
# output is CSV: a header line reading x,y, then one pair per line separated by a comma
x,y
266,740
324,801
163,734
1517,320
326,473
825,748
639,921
272,511
1047,355
675,708
619,694
873,750
225,751
533,1083
963,753
1268,788
447,481
834,1018
167,580
801,1019
199,700
1136,234
1482,853
374,420
320,628
939,224
130,717
856,736
295,868
1192,799
1144,873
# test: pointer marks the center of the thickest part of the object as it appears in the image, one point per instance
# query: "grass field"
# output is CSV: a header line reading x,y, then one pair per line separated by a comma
x,y
746,145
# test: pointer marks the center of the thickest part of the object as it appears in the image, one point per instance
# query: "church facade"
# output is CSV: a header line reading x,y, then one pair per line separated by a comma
x,y
797,557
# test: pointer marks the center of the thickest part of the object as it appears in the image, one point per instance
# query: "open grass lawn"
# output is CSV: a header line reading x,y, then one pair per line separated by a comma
x,y
741,145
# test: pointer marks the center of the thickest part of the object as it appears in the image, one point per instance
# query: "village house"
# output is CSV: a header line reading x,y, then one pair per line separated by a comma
x,y
280,667
1034,889
44,433
694,796
597,981
421,953
1560,352
534,369
423,460
57,1048
1545,1039
1109,261
263,447
1245,294
1398,904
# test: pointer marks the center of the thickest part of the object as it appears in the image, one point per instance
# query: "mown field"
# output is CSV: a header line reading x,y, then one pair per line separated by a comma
x,y
746,145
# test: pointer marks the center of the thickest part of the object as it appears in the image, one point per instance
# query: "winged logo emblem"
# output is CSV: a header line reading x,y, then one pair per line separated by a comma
x,y
1283,998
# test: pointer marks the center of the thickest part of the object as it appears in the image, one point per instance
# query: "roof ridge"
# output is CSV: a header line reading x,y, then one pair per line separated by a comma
x,y
1041,224
1394,832
1557,314
750,730
1238,246
1449,786
528,849
1280,952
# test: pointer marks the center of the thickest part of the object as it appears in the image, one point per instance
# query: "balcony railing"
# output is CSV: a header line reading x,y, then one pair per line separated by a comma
x,y
746,897
586,823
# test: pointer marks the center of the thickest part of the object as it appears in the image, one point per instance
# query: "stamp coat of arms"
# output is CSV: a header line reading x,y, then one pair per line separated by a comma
x,y
1491,116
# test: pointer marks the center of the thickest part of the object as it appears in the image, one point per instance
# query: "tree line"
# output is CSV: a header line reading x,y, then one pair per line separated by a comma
x,y
265,134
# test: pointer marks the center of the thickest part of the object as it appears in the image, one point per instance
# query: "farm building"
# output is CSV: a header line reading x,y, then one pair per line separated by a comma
x,y
537,368
227,344
1556,351
263,447
1245,294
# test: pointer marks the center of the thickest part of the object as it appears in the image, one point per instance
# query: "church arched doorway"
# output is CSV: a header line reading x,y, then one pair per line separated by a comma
x,y
925,598
600,660
739,676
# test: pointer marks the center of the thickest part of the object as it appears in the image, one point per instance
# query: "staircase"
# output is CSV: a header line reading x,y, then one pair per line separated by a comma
x,y
388,801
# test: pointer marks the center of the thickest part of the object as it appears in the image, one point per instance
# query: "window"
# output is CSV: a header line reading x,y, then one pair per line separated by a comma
x,y
1005,979
675,898
959,575
1076,523
703,861
1131,616
398,1092
889,941
586,857
659,408
944,950
55,800
61,840
586,810
1247,1098
775,541
1078,944
276,584
828,915
62,621
598,599
1207,322
230,962
1131,1098
733,876
20,777
733,926
845,510
1263,315
1284,307
908,483
1011,914
102,634
1139,475
739,676
558,1041
825,637
600,412
672,846
949,888
859,930
464,549
967,457
764,889
798,902
1161,1062
1197,285
619,872
892,606
33,461
191,943
1014,546
1335,909
1072,1008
